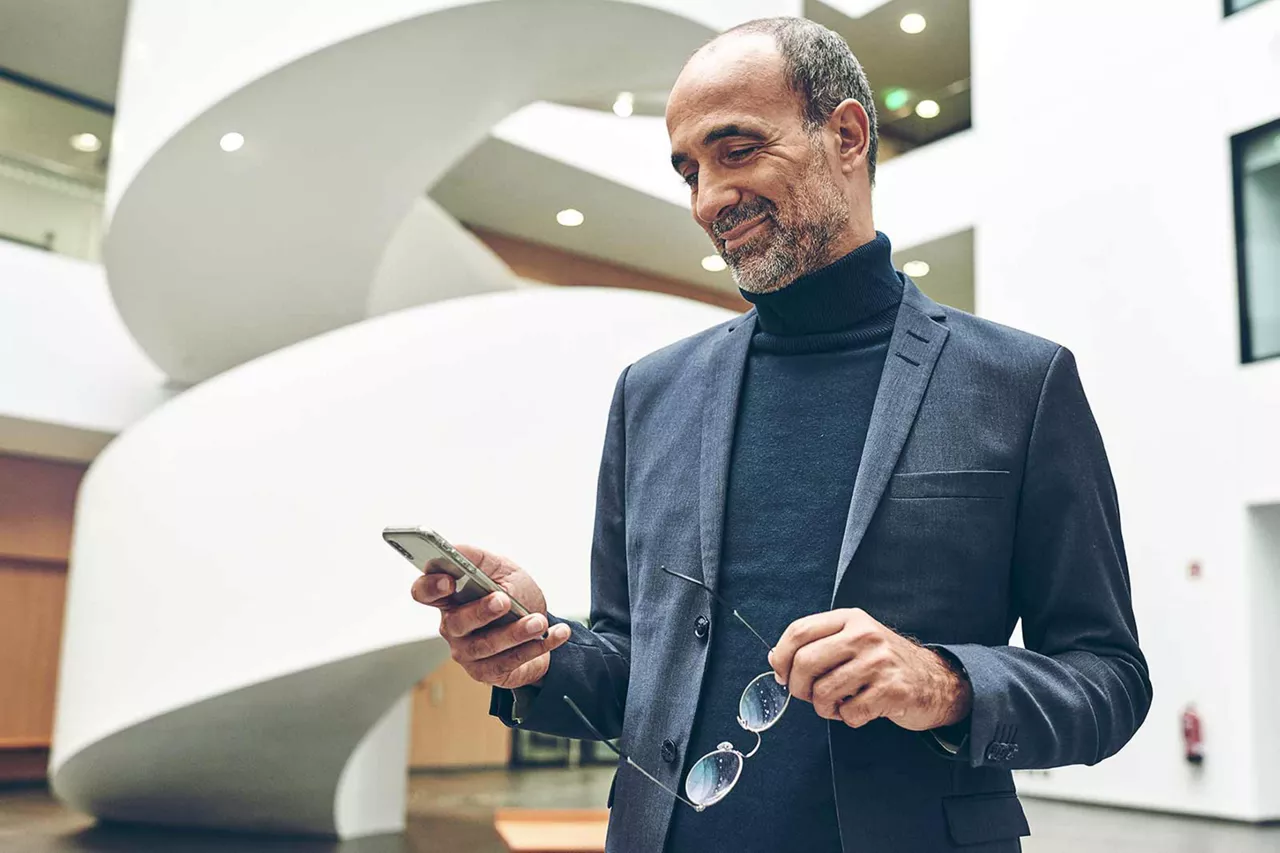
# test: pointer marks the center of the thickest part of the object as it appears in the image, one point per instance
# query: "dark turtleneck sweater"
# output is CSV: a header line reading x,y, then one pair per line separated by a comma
x,y
807,394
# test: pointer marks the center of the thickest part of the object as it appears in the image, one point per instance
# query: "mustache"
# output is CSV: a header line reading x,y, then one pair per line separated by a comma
x,y
740,214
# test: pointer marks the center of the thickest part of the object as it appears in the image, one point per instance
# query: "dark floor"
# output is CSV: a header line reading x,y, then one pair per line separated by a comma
x,y
454,812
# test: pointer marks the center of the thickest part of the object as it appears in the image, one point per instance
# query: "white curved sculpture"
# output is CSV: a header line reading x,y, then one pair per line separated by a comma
x,y
235,626
281,239
238,640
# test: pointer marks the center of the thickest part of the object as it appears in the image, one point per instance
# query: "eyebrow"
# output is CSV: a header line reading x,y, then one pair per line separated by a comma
x,y
724,131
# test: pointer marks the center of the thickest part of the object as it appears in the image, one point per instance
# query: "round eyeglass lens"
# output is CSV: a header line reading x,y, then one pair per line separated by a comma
x,y
762,703
713,776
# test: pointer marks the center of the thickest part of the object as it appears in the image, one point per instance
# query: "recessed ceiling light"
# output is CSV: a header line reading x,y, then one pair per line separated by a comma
x,y
625,105
916,269
713,263
928,109
570,218
913,23
231,141
86,142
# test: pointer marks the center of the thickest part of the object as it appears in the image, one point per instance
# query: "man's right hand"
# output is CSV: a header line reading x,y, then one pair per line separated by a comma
x,y
508,656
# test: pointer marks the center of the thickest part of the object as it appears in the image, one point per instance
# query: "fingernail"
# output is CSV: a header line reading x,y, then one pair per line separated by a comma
x,y
534,626
438,586
496,604
778,678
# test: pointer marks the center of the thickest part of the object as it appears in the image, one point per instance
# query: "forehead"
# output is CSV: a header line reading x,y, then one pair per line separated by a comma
x,y
738,80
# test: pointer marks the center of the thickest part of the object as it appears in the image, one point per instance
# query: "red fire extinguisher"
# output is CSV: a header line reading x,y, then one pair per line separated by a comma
x,y
1192,740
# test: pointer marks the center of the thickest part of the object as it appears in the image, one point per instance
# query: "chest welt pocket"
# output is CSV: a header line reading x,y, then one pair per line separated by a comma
x,y
983,818
977,485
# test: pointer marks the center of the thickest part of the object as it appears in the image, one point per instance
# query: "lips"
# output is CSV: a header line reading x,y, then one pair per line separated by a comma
x,y
739,234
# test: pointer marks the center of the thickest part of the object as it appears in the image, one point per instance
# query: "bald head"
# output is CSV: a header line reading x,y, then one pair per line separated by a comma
x,y
815,64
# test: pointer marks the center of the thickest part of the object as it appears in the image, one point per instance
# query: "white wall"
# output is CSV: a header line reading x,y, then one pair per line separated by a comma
x,y
1104,222
70,375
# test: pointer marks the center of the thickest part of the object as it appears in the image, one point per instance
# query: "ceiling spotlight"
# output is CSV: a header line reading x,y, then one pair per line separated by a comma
x,y
625,105
713,263
928,109
86,142
916,269
570,218
912,24
231,141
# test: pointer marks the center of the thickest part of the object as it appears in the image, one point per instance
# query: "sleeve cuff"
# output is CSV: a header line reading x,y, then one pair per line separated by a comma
x,y
952,741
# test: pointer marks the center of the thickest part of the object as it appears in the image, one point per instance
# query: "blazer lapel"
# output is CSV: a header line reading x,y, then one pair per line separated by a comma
x,y
724,367
913,351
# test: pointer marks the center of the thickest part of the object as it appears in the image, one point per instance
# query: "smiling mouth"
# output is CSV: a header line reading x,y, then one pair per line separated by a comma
x,y
735,237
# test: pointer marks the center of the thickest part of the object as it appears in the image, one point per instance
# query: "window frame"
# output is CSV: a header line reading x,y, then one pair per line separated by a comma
x,y
1227,11
1239,142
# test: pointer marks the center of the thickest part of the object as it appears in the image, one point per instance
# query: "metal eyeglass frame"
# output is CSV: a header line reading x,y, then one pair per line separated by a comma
x,y
721,749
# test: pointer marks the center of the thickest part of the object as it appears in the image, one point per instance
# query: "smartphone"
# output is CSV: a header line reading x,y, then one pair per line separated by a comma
x,y
431,552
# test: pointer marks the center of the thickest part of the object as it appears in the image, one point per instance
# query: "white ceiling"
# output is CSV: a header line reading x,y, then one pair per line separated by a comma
x,y
924,64
73,44
508,189
950,260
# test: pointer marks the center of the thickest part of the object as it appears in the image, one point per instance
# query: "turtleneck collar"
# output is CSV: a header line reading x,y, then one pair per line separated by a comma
x,y
838,297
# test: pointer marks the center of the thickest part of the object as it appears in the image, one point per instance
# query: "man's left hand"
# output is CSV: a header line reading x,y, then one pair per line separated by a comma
x,y
853,668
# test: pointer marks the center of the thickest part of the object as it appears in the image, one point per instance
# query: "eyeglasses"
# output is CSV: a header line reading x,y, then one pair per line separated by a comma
x,y
713,776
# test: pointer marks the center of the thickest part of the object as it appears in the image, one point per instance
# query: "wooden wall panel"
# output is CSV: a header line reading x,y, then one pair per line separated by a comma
x,y
31,604
555,266
452,726
37,502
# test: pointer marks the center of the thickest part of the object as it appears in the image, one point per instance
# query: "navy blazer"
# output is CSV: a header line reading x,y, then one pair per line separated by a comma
x,y
983,496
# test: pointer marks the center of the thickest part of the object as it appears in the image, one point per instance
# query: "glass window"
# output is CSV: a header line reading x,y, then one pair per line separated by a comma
x,y
53,164
1236,5
1256,156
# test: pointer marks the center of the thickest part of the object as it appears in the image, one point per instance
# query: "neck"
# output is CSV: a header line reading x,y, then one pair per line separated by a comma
x,y
857,286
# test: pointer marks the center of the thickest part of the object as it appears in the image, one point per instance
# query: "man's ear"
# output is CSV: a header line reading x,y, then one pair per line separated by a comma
x,y
852,128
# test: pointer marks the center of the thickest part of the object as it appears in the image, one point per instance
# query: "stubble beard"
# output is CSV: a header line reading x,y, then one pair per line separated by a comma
x,y
797,244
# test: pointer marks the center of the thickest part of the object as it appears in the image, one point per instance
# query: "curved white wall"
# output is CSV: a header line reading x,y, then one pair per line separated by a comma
x,y
231,538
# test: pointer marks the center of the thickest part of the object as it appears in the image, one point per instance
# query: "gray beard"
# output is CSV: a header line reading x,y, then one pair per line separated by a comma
x,y
775,260
786,257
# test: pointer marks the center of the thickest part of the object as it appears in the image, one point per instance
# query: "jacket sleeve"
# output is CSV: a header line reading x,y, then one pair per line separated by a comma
x,y
1080,689
594,665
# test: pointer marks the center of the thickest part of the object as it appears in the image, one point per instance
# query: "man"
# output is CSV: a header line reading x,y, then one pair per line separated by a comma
x,y
878,486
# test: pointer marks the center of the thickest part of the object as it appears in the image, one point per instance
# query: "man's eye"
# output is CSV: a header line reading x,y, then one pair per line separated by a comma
x,y
742,153
691,179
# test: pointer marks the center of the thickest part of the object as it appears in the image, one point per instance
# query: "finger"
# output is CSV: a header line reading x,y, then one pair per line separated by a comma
x,y
861,709
500,669
840,684
432,588
471,617
800,633
493,641
814,660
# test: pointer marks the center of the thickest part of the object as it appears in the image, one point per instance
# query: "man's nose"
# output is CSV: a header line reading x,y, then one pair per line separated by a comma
x,y
714,199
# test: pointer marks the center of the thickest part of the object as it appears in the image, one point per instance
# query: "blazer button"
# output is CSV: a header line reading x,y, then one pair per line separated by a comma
x,y
701,627
669,750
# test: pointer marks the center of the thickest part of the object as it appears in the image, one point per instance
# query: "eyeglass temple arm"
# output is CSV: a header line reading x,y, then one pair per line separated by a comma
x,y
722,601
645,773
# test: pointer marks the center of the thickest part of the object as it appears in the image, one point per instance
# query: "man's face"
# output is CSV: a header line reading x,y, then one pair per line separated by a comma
x,y
766,191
